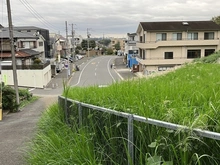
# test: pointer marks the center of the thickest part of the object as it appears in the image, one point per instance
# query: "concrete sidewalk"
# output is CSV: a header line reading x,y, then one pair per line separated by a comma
x,y
16,130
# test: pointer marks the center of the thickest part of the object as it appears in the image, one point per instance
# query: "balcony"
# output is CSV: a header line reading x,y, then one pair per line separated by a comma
x,y
131,43
173,43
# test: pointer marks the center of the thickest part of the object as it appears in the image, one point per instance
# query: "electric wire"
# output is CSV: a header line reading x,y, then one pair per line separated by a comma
x,y
28,6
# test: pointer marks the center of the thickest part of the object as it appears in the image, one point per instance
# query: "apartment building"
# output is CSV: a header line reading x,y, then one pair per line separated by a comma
x,y
115,41
164,45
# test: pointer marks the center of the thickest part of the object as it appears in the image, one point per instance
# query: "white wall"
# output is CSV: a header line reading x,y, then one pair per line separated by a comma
x,y
29,78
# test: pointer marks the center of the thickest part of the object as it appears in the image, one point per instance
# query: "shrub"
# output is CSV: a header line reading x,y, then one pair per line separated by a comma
x,y
37,61
24,94
9,99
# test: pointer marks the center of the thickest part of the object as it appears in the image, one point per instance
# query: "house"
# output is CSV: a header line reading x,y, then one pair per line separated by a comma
x,y
164,45
27,47
131,51
32,68
37,31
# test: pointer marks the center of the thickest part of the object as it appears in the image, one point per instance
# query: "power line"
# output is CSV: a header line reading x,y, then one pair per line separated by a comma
x,y
28,6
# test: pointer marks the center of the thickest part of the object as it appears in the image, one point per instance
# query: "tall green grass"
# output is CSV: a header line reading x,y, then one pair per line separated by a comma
x,y
56,143
188,96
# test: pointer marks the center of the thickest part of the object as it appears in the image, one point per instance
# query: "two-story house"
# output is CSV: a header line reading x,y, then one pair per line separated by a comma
x,y
38,31
28,49
164,45
27,46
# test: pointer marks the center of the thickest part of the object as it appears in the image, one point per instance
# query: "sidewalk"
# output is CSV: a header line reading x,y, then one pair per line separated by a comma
x,y
18,128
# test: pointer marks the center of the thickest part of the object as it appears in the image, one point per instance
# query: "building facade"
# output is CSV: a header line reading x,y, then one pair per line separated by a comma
x,y
164,45
120,41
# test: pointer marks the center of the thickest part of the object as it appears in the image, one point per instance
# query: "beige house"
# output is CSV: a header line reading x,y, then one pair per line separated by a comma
x,y
121,41
164,45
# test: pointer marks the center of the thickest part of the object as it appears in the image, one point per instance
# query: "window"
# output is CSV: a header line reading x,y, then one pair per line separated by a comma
x,y
140,39
193,53
209,52
161,36
209,35
192,36
177,36
168,55
40,43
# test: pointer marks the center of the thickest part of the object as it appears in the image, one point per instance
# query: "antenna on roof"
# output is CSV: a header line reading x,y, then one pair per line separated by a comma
x,y
185,23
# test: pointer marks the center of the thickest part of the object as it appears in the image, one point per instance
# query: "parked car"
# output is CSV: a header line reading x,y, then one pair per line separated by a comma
x,y
79,56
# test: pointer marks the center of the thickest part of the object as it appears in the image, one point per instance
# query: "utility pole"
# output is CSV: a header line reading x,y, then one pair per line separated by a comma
x,y
73,41
66,38
67,60
1,86
88,36
13,52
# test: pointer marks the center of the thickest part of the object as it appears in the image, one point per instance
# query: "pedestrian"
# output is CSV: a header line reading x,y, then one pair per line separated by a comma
x,y
111,66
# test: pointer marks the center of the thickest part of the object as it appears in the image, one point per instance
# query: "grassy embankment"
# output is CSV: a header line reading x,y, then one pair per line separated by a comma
x,y
188,96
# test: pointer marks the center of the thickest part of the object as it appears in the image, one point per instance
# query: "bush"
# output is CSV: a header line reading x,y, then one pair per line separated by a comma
x,y
37,61
24,94
9,98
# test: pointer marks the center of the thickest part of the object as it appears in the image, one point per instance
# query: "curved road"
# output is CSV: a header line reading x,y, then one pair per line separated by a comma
x,y
97,71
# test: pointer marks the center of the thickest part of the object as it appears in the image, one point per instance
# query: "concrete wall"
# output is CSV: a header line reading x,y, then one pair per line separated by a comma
x,y
28,78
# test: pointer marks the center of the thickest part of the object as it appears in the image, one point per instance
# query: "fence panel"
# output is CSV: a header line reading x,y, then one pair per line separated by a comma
x,y
133,129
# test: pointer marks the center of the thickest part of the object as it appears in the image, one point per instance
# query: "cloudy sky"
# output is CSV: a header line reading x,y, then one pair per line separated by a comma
x,y
111,18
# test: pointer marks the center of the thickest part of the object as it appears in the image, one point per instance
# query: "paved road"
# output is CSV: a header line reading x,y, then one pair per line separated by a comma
x,y
97,71
16,129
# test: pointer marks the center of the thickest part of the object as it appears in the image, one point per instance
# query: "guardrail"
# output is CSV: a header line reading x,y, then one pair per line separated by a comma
x,y
130,118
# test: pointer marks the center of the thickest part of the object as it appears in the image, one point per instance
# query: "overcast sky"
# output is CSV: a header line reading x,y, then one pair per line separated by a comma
x,y
111,18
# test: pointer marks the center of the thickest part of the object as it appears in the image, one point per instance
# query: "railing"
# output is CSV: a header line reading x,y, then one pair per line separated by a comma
x,y
23,67
170,39
130,119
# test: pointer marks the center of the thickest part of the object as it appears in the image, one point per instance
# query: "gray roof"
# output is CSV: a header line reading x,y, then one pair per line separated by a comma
x,y
26,28
5,34
30,52
180,26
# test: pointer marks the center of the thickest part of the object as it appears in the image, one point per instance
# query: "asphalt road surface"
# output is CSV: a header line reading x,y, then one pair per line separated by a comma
x,y
97,71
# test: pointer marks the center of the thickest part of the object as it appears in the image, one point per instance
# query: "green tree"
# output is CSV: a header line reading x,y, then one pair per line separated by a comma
x,y
84,44
109,51
105,42
216,19
77,49
117,46
92,44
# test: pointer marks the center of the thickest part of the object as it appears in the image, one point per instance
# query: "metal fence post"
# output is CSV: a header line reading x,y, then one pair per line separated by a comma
x,y
80,114
130,140
65,110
